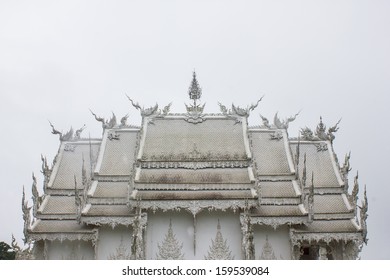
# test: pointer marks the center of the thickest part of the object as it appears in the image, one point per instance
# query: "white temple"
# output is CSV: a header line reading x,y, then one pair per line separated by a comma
x,y
196,186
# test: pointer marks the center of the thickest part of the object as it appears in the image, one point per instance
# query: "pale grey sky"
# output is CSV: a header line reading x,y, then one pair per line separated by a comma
x,y
326,58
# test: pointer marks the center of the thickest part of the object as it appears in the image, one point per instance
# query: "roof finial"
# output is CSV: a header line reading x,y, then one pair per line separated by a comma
x,y
195,111
194,91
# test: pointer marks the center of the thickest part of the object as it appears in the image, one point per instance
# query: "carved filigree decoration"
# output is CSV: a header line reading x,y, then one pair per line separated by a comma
x,y
46,171
277,135
303,181
308,135
276,222
78,132
345,169
195,155
110,221
165,110
195,113
122,252
113,136
283,124
237,113
321,133
363,216
322,253
332,130
69,148
63,137
137,245
145,112
195,206
153,112
267,252
310,199
86,184
355,191
219,249
64,236
321,147
170,248
124,121
194,91
195,164
26,218
265,122
299,238
105,123
22,254
247,244
77,200
37,199
351,250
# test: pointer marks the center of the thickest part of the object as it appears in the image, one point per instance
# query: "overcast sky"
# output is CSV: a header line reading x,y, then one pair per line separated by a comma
x,y
326,58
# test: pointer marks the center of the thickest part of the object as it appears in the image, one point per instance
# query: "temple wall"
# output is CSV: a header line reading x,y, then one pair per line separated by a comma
x,y
183,226
207,230
279,241
70,250
114,243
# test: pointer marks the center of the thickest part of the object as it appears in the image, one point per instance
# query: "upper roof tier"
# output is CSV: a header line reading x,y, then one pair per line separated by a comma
x,y
174,139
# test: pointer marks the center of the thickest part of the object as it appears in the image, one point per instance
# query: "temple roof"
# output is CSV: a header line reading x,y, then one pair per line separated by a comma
x,y
271,155
70,161
320,162
196,161
117,152
174,139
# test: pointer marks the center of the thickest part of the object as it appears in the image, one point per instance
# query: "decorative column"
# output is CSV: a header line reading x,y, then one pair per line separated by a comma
x,y
247,245
137,239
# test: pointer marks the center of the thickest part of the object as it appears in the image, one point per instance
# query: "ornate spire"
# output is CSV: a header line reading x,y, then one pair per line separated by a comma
x,y
364,215
219,250
77,200
194,91
85,182
195,111
297,156
26,217
46,171
355,191
311,199
332,130
37,200
303,182
170,248
345,169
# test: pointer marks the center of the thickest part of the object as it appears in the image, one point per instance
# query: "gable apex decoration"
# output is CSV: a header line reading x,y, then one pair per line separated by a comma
x,y
195,111
321,134
194,91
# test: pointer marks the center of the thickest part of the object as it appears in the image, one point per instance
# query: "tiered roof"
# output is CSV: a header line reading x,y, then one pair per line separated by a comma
x,y
195,162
